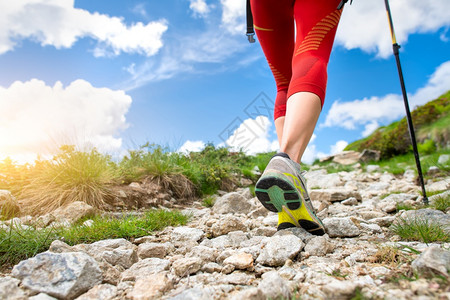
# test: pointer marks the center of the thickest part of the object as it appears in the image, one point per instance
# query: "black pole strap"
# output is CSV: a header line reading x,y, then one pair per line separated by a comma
x,y
412,135
250,29
341,4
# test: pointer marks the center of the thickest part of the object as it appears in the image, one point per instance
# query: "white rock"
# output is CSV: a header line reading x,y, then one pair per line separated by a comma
x,y
9,289
62,275
42,296
151,287
159,250
319,246
372,168
73,212
145,267
186,266
434,260
273,286
227,224
443,159
337,289
332,195
252,293
240,261
185,233
101,291
341,227
232,203
280,248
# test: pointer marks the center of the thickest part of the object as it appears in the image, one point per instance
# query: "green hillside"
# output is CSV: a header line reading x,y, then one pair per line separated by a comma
x,y
431,124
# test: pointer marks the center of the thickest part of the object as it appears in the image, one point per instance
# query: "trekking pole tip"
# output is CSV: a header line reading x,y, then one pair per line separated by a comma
x,y
251,38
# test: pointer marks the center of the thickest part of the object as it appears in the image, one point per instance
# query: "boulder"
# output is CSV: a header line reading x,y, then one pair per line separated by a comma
x,y
369,155
62,275
273,286
433,261
232,203
9,289
151,287
279,249
73,212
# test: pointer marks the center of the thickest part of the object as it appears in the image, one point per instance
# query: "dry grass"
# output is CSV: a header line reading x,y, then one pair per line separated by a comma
x,y
71,176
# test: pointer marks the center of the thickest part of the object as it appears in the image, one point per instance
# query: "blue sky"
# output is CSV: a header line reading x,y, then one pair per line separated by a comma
x,y
180,73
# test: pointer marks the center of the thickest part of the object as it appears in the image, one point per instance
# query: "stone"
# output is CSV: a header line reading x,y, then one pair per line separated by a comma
x,y
219,243
273,286
271,220
195,293
432,216
299,232
232,203
389,204
211,267
280,248
9,289
8,205
333,195
159,250
434,260
185,233
320,179
371,214
206,254
441,185
110,274
58,246
350,201
372,168
151,287
42,296
369,155
252,293
186,266
375,228
238,278
62,275
240,261
346,157
73,212
337,289
443,159
383,221
287,272
115,251
227,224
101,291
319,246
145,267
341,227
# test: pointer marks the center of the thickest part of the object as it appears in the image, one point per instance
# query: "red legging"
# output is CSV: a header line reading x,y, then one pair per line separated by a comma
x,y
298,65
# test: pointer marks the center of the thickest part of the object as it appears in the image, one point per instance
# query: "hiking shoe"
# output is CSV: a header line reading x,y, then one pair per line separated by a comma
x,y
282,189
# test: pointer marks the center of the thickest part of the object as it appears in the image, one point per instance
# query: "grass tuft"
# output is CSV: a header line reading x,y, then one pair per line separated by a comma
x,y
21,242
419,229
70,176
209,201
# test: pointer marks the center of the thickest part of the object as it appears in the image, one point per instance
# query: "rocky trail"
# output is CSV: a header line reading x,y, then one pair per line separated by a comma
x,y
233,251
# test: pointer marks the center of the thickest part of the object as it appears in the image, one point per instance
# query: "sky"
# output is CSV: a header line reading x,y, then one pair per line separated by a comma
x,y
180,73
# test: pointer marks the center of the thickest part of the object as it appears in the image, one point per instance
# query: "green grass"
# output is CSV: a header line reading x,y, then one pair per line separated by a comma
x,y
442,202
208,201
18,243
332,167
419,229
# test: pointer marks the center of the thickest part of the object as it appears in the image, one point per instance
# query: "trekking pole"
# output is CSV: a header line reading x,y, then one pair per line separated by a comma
x,y
412,135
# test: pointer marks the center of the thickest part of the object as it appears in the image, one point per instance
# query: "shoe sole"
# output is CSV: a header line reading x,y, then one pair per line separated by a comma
x,y
278,195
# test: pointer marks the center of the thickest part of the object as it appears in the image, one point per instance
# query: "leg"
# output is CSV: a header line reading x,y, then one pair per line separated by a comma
x,y
317,22
274,26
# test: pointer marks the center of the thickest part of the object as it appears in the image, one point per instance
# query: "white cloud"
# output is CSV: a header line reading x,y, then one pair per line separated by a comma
x,y
58,23
386,109
338,147
369,128
35,117
252,136
364,24
192,146
233,16
199,7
